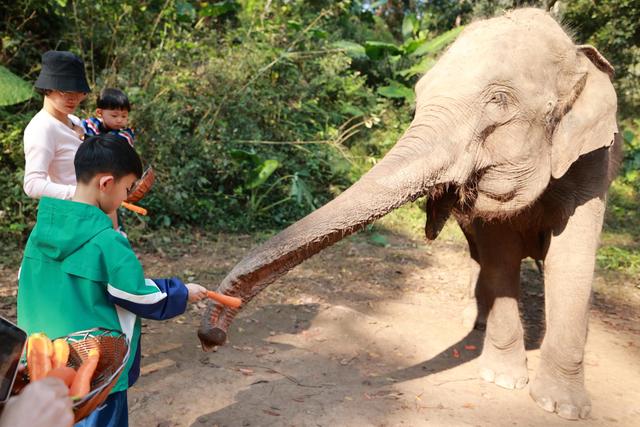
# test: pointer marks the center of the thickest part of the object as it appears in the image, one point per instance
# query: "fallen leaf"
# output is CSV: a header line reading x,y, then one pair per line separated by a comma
x,y
267,411
153,367
246,371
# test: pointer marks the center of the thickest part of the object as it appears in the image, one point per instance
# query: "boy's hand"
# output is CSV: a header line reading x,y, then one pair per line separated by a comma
x,y
196,292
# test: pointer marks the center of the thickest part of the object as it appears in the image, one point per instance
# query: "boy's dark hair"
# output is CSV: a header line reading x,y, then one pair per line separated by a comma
x,y
106,153
113,99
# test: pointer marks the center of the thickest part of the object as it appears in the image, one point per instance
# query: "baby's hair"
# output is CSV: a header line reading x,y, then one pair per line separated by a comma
x,y
113,99
106,153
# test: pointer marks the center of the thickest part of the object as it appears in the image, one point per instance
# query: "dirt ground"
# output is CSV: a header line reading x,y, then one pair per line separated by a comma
x,y
361,335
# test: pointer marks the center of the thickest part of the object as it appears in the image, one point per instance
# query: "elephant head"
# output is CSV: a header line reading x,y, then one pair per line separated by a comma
x,y
507,109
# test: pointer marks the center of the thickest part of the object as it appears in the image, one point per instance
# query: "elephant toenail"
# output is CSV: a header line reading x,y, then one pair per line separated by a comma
x,y
568,411
505,381
547,404
487,374
585,411
522,381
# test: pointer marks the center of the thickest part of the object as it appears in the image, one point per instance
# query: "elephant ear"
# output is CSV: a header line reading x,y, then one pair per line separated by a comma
x,y
585,118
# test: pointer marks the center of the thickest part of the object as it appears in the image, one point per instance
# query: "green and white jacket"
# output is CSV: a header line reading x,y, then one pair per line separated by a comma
x,y
79,273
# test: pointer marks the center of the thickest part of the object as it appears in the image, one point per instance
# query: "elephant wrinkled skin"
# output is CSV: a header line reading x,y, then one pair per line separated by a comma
x,y
514,135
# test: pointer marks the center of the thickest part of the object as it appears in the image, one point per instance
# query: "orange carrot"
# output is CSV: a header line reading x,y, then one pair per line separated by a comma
x,y
134,208
39,350
81,385
227,300
65,373
60,354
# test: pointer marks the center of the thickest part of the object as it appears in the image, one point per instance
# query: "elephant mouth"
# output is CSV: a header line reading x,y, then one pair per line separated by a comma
x,y
498,196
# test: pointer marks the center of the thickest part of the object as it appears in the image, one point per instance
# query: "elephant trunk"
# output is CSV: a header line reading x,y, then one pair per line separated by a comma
x,y
407,172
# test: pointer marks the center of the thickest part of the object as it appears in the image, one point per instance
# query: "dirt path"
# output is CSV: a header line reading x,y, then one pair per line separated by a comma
x,y
362,335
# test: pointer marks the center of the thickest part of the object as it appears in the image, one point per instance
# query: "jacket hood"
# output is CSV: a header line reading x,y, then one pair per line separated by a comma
x,y
64,226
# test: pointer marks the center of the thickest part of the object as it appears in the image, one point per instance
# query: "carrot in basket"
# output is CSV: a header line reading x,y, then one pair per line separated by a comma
x,y
81,385
60,353
227,300
134,208
65,373
39,350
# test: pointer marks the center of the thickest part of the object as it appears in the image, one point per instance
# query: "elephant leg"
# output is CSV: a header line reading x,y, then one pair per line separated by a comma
x,y
475,313
503,360
569,265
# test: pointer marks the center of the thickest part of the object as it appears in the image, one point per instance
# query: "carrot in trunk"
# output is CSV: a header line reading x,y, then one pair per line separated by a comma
x,y
81,385
227,300
60,353
39,351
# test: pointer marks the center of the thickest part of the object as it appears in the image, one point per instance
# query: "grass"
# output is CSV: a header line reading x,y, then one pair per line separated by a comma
x,y
409,220
620,248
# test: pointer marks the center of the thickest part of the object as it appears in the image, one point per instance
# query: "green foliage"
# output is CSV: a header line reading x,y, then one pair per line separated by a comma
x,y
13,90
621,243
255,112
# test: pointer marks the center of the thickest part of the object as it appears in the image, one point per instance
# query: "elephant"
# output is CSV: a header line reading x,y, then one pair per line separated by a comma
x,y
515,136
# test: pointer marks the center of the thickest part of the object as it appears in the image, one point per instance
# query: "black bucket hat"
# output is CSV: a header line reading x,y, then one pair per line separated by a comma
x,y
62,70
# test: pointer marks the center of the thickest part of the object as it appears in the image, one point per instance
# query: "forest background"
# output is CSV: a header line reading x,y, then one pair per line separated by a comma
x,y
255,112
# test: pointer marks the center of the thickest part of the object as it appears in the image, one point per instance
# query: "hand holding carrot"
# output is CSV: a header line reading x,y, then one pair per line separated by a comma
x,y
196,292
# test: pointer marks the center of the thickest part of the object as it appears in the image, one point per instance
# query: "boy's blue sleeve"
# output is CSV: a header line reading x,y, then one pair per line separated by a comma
x,y
171,302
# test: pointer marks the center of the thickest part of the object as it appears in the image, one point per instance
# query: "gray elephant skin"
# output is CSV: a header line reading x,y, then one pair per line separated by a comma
x,y
515,135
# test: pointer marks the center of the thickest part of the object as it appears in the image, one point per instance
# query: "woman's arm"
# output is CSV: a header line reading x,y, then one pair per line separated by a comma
x,y
38,157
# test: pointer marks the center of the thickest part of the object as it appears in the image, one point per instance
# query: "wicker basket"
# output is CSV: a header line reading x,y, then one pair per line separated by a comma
x,y
114,353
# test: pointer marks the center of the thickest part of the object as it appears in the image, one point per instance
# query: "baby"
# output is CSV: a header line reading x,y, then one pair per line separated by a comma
x,y
112,115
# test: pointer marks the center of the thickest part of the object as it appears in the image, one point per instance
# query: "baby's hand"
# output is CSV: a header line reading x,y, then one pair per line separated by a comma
x,y
196,292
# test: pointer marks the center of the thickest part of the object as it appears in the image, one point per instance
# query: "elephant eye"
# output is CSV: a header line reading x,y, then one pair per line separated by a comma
x,y
499,98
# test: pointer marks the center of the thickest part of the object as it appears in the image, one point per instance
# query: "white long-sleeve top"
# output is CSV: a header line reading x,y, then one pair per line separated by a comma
x,y
49,149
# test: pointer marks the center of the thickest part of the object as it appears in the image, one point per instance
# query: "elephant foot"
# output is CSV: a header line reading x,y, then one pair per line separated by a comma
x,y
504,368
566,397
471,318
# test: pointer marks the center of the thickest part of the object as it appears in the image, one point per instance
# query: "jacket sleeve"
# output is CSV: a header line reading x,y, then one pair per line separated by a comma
x,y
169,301
157,299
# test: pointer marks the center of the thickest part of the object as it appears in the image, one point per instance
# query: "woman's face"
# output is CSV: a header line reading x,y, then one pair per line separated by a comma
x,y
66,102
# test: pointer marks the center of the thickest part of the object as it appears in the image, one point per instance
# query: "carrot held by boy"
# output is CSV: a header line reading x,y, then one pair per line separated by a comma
x,y
229,301
134,208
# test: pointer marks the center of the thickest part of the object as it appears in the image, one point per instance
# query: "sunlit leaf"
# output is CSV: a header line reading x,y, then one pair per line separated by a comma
x,y
409,25
243,155
354,50
377,50
219,8
397,90
419,68
263,172
411,45
437,44
13,90
294,25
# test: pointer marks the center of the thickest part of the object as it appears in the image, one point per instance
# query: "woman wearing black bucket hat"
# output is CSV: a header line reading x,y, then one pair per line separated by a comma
x,y
53,134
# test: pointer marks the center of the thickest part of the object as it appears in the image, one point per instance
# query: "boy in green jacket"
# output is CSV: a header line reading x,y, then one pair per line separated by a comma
x,y
79,273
